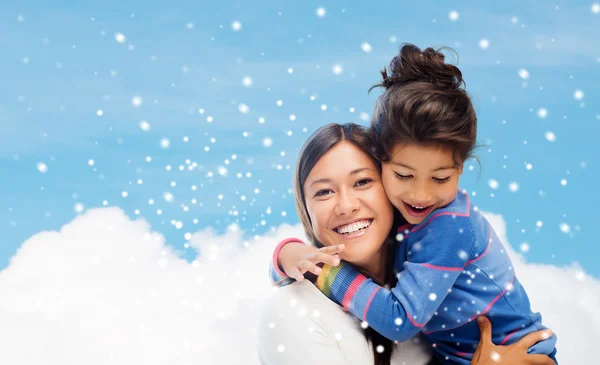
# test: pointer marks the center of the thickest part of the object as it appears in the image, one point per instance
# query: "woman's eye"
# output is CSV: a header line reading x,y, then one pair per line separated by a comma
x,y
441,180
323,192
363,182
402,177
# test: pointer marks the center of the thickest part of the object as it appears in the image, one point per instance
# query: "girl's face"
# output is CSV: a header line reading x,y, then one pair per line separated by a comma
x,y
420,178
347,204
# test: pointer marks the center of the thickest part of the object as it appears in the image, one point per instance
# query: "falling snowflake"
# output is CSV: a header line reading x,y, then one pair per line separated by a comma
x,y
398,321
165,143
513,187
168,197
243,108
578,95
236,26
120,38
595,8
453,15
524,247
267,142
564,227
484,43
137,101
337,69
42,167
432,296
563,182
78,208
99,112
542,113
524,74
493,184
91,162
144,125
550,136
247,81
366,47
321,12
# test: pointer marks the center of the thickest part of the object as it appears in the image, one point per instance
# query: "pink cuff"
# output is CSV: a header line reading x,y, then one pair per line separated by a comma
x,y
276,253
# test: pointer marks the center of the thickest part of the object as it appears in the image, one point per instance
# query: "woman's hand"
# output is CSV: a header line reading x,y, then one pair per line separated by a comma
x,y
297,258
489,354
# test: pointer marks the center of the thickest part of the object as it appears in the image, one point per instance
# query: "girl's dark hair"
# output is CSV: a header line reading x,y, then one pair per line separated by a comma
x,y
424,102
317,145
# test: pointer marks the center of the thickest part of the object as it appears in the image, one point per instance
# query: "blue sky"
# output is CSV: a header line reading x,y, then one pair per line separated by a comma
x,y
63,64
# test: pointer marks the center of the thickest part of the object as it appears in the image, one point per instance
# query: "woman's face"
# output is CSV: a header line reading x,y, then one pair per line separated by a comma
x,y
347,204
419,179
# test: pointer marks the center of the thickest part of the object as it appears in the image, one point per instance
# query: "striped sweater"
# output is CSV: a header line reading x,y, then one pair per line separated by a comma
x,y
451,268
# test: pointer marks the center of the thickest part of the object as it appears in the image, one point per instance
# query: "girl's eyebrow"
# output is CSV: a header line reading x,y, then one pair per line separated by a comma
x,y
353,172
434,170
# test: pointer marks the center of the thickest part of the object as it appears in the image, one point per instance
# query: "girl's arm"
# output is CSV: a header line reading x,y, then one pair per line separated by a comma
x,y
293,259
433,266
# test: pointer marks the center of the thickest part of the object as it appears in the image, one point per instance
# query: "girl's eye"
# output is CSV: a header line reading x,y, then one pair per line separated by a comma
x,y
363,182
323,192
441,181
402,177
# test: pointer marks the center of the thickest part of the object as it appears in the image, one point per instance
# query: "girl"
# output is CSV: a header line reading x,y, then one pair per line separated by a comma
x,y
449,264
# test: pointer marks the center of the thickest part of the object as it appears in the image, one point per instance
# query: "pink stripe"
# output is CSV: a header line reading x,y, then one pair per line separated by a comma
x,y
486,250
507,337
463,354
403,227
276,254
418,325
487,309
443,268
468,213
352,289
369,303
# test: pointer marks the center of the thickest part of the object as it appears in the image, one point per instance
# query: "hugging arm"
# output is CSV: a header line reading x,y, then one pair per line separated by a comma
x,y
431,271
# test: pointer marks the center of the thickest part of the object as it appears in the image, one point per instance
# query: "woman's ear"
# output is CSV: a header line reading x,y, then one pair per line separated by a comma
x,y
460,169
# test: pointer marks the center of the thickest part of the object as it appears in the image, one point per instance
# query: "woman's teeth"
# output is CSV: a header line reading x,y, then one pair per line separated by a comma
x,y
354,227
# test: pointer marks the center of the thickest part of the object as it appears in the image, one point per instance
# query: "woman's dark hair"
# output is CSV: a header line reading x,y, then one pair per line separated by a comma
x,y
317,145
424,102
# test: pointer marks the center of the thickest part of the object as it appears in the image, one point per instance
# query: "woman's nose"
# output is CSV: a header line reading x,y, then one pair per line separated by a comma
x,y
347,203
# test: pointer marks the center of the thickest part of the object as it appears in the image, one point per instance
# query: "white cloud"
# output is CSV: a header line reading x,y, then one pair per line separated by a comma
x,y
106,289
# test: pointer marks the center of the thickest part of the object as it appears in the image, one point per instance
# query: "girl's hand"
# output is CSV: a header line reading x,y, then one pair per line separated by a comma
x,y
489,354
297,258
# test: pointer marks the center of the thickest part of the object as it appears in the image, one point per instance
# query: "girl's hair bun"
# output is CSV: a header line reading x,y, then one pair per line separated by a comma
x,y
413,65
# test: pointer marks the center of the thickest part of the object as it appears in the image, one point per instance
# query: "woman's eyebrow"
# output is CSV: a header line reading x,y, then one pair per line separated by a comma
x,y
356,171
353,172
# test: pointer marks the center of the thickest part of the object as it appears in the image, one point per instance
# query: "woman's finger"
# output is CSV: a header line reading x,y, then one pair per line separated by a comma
x,y
485,330
533,338
539,359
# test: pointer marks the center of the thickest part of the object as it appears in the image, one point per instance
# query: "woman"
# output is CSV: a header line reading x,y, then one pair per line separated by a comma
x,y
338,181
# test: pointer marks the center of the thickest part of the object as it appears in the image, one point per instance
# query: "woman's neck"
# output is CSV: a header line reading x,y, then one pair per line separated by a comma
x,y
375,266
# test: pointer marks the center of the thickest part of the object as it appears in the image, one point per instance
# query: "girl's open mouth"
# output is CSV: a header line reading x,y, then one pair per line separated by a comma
x,y
417,211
